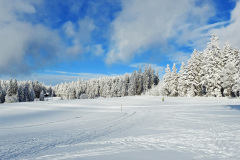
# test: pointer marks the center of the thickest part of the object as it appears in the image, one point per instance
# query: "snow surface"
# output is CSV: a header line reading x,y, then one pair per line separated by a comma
x,y
95,129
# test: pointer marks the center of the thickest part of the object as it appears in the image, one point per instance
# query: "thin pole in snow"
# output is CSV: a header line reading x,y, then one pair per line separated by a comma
x,y
121,108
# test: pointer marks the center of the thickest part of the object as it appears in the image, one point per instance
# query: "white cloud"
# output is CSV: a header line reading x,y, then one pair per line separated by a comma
x,y
179,57
55,77
62,76
85,75
143,23
98,50
76,48
80,34
9,9
230,32
27,45
21,42
68,28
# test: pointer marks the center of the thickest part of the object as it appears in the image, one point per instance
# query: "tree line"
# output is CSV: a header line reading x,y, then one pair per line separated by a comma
x,y
23,91
136,83
213,72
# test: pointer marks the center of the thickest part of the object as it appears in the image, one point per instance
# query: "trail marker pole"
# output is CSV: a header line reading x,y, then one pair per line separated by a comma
x,y
121,108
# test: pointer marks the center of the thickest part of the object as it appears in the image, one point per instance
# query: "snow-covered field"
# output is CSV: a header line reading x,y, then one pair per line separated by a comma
x,y
147,128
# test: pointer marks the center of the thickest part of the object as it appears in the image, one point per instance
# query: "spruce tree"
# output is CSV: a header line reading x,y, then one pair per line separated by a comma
x,y
12,92
174,81
41,97
133,84
193,74
212,68
166,81
182,83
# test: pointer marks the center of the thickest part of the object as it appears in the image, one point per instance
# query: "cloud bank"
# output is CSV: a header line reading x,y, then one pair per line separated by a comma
x,y
24,46
142,23
230,32
80,34
32,39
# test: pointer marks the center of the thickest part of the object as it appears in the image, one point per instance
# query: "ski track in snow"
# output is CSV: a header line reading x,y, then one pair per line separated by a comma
x,y
201,128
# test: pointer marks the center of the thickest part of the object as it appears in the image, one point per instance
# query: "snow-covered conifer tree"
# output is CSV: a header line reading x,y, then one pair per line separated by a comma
x,y
1,97
120,87
12,92
4,90
139,82
174,81
71,91
212,68
227,53
41,98
21,93
228,79
193,74
146,79
107,87
114,87
182,81
152,77
133,84
125,85
37,88
49,91
166,81
101,86
1,94
96,88
31,93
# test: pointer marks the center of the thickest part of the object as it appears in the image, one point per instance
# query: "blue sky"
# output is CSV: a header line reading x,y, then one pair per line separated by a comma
x,y
57,41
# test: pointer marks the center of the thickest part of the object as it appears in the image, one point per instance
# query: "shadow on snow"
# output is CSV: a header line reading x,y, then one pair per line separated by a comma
x,y
237,107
